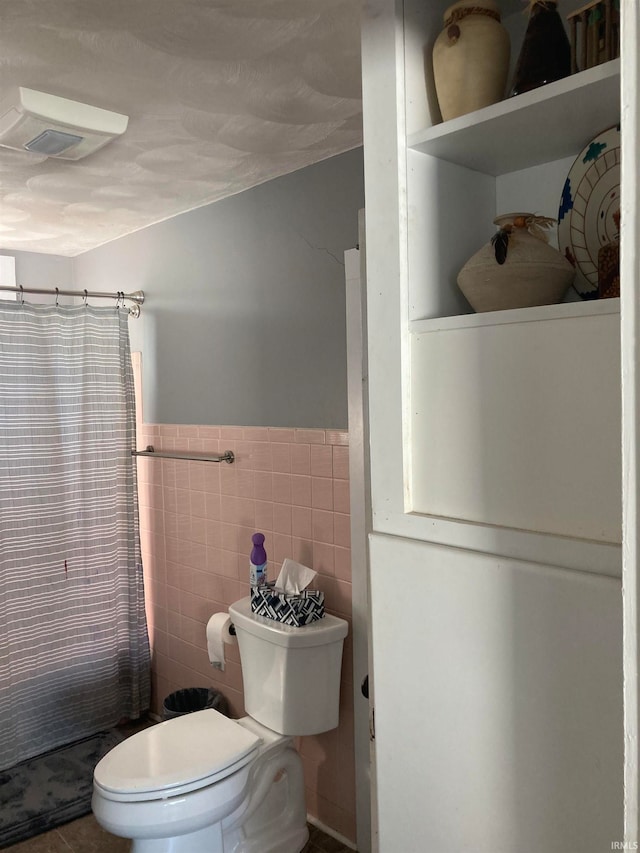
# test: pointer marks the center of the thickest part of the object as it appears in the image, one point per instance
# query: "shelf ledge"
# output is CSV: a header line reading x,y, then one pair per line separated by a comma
x,y
548,123
563,311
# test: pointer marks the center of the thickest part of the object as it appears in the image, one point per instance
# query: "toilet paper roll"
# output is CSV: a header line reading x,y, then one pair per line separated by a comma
x,y
218,633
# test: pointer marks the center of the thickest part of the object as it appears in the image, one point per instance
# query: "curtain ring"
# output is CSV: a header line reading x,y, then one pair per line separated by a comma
x,y
21,295
86,304
57,294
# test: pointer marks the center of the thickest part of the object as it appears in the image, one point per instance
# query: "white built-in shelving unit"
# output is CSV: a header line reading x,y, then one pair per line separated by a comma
x,y
487,454
496,465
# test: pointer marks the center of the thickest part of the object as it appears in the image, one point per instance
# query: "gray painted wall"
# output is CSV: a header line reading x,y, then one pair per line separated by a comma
x,y
244,319
34,269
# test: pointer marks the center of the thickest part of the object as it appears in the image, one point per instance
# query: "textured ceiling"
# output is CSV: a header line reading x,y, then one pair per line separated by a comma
x,y
221,94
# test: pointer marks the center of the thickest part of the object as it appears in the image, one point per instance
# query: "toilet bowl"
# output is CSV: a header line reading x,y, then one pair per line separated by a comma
x,y
203,783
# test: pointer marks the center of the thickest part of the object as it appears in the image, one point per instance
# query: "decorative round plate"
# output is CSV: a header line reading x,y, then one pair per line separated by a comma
x,y
590,198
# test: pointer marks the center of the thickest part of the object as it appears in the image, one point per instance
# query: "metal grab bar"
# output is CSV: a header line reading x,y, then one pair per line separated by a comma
x,y
227,456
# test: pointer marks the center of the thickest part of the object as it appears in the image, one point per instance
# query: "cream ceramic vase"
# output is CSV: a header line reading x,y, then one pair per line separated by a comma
x,y
517,269
470,58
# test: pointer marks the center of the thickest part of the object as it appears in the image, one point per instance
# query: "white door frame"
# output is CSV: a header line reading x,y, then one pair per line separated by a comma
x,y
359,474
630,333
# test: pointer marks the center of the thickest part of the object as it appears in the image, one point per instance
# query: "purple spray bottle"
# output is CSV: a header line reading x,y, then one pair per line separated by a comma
x,y
258,561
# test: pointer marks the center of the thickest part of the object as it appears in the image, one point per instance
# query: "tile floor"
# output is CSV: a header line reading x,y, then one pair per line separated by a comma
x,y
86,836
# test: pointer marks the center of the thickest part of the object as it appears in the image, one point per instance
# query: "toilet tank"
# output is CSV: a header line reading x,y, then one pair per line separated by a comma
x,y
291,675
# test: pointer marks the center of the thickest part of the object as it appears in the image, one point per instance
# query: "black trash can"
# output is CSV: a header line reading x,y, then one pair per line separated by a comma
x,y
194,699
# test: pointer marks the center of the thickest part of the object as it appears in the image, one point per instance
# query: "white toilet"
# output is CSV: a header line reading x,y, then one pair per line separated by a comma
x,y
203,783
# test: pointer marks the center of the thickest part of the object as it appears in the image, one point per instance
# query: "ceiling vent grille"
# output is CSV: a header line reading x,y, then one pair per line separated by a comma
x,y
56,127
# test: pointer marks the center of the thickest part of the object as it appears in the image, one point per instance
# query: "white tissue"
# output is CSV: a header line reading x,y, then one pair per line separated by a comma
x,y
218,633
294,577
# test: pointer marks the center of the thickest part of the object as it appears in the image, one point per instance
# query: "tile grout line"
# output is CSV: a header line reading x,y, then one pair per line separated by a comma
x,y
64,840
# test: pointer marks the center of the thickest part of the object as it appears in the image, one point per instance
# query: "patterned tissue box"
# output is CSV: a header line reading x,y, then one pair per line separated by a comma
x,y
298,609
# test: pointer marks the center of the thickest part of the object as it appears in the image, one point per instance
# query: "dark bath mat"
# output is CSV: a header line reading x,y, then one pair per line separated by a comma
x,y
50,790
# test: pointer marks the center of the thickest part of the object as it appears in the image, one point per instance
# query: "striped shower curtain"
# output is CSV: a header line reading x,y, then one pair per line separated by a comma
x,y
74,653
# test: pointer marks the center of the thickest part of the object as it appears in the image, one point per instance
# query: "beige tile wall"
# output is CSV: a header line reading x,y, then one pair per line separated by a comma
x,y
196,522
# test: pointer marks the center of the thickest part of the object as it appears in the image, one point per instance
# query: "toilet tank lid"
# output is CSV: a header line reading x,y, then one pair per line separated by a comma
x,y
329,629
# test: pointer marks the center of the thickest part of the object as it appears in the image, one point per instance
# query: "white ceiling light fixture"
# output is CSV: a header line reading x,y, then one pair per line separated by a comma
x,y
56,127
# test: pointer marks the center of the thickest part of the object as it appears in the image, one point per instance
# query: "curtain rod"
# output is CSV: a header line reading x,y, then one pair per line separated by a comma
x,y
137,297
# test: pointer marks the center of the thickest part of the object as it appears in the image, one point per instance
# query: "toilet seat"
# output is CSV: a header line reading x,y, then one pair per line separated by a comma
x,y
176,757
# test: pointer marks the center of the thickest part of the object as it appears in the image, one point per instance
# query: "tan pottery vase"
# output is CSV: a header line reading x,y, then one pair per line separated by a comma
x,y
517,269
470,58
